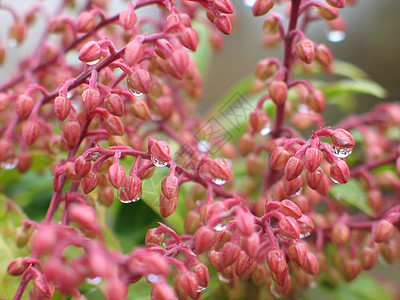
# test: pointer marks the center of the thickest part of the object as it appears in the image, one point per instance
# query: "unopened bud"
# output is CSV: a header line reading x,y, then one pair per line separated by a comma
x,y
340,171
351,268
127,17
89,182
337,3
44,286
163,48
289,228
215,259
220,169
116,289
253,244
167,205
327,12
85,22
276,261
140,110
16,267
113,125
305,50
106,196
342,139
202,274
162,291
132,187
244,265
246,143
152,237
279,158
90,52
223,24
114,105
294,167
261,7
340,233
117,174
278,91
298,253
224,6
264,69
82,166
71,132
189,38
369,256
192,222
245,222
258,119
314,179
203,239
383,231
133,52
160,151
288,208
140,81
230,252
30,132
306,224
178,63
90,99
169,186
311,265
83,215
17,31
62,107
323,55
24,106
313,158
189,283
294,186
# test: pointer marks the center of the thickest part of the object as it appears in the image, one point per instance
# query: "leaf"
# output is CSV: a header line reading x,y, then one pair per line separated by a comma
x,y
349,70
202,56
10,218
351,194
353,86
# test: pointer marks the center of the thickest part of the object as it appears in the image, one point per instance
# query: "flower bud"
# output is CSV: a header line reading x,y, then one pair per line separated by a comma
x,y
246,143
106,196
114,105
279,158
71,132
244,265
220,169
152,237
24,106
82,166
298,253
162,291
203,239
140,81
369,257
90,99
178,63
289,228
160,152
339,171
89,182
306,224
253,244
375,200
293,168
314,179
224,6
127,17
140,110
323,188
293,187
288,208
113,125
389,251
323,55
191,222
305,50
223,24
85,22
117,174
261,7
17,32
202,274
351,268
316,101
337,3
133,52
169,186
90,52
30,132
245,222
167,205
313,158
278,91
327,12
16,267
340,233
258,119
132,187
189,283
383,231
264,69
62,107
276,261
221,238
44,286
311,265
342,139
83,215
163,48
254,164
189,38
215,259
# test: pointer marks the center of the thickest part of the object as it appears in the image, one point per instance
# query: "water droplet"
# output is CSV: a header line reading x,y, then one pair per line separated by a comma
x,y
313,284
152,278
298,192
383,261
303,109
218,181
12,42
91,63
341,152
336,36
249,3
188,50
273,290
9,164
334,181
304,235
137,198
203,146
122,195
69,94
158,163
266,130
222,278
219,227
200,288
130,87
95,280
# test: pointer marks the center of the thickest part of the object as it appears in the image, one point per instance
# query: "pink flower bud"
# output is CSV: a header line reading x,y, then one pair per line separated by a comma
x,y
113,125
289,228
163,48
17,31
288,208
215,259
261,7
221,238
306,224
85,22
152,237
383,231
223,24
192,222
117,174
316,101
167,205
30,132
313,158
189,283
132,187
294,167
278,91
224,6
264,69
220,169
82,166
127,17
258,119
327,12
342,139
337,3
83,215
89,182
245,222
90,99
298,253
140,81
293,187
246,143
314,179
339,171
140,110
106,196
253,244
160,151
24,106
311,265
203,239
62,107
189,38
162,291
174,23
305,50
244,265
202,274
178,63
279,158
71,132
323,55
230,252
44,286
114,105
351,268
16,267
375,199
90,52
340,233
276,261
133,52
369,257
169,186
116,289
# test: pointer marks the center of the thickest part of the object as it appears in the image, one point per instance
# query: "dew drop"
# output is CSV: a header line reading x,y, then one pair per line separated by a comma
x,y
203,146
222,278
152,278
136,93
302,108
122,195
137,198
91,63
249,3
158,163
298,192
334,181
95,280
266,130
219,227
304,235
336,36
341,152
188,50
200,288
9,164
218,181
12,42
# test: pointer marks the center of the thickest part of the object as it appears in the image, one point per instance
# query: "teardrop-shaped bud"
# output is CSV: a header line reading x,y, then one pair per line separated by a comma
x,y
178,63
220,169
305,50
316,101
127,17
82,166
323,55
289,228
140,110
169,186
294,167
90,99
261,7
114,105
85,22
276,260
133,52
89,182
258,119
223,24
246,143
90,52
132,187
113,125
24,106
71,132
383,231
298,253
167,205
163,48
369,257
278,91
340,233
293,187
314,179
140,81
62,107
117,174
44,286
312,159
311,265
279,158
289,208
30,132
160,151
203,239
340,171
189,38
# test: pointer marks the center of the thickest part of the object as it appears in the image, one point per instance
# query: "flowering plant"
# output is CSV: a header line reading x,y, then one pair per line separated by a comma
x,y
129,192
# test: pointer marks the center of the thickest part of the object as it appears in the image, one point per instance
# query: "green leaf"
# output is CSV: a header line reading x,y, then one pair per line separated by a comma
x,y
351,194
10,218
202,56
353,86
349,70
